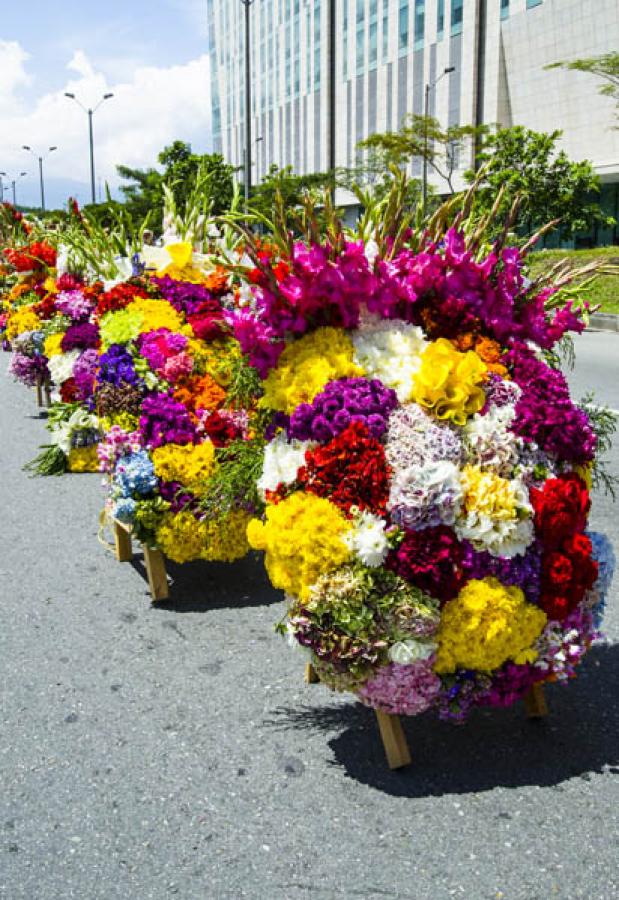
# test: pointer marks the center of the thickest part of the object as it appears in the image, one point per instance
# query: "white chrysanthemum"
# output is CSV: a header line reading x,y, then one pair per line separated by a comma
x,y
368,540
410,651
497,515
488,442
282,461
427,495
61,366
390,352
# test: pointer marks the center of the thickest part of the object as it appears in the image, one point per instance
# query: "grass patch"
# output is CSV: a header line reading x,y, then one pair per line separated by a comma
x,y
604,290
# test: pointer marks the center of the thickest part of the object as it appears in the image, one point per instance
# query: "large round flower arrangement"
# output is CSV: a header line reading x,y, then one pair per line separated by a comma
x,y
426,476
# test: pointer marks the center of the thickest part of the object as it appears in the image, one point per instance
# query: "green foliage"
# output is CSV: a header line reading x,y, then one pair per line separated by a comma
x,y
605,66
290,187
374,176
423,137
604,424
601,291
245,385
239,466
50,461
544,183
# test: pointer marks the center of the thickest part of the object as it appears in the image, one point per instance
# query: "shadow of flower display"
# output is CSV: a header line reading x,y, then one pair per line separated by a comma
x,y
498,747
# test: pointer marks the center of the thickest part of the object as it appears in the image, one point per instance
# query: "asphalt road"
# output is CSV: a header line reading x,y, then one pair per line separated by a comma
x,y
175,751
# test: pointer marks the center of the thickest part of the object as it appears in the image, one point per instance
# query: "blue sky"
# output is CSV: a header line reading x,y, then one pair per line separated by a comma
x,y
151,55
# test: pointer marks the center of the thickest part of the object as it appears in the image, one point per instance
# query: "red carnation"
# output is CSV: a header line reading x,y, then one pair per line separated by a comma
x,y
432,560
567,574
351,470
69,391
118,298
220,429
561,507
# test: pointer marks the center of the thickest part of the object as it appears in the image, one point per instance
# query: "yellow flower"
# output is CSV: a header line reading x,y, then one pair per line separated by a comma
x,y
306,366
303,539
584,471
488,494
123,419
191,465
52,345
83,459
183,538
447,383
157,314
487,624
20,321
226,538
50,285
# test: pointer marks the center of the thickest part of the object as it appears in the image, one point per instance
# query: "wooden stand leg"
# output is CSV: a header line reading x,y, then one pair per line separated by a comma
x,y
535,702
394,740
122,543
157,578
39,390
311,675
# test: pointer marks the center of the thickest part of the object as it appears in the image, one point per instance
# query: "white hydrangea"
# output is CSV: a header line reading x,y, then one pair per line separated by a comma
x,y
390,352
426,495
61,366
282,461
411,651
367,539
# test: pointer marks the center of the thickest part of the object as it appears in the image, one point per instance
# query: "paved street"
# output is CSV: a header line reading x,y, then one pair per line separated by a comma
x,y
175,751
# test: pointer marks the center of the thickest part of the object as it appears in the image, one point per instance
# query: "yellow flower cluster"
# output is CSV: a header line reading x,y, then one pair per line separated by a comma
x,y
183,538
487,624
123,419
447,383
157,314
191,465
52,345
487,494
303,539
83,459
21,320
306,366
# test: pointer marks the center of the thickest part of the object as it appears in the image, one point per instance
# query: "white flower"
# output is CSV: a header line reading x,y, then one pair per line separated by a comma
x,y
282,461
367,540
390,352
426,495
61,366
371,251
489,443
410,651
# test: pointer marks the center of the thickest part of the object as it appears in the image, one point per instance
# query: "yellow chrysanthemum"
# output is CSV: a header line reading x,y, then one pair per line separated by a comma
x,y
488,494
448,382
306,366
191,465
83,459
303,539
20,321
183,538
226,538
157,314
52,345
123,419
487,624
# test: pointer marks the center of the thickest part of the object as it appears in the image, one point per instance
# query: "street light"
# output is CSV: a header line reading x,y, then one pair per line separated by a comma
x,y
429,86
92,151
40,158
247,4
13,182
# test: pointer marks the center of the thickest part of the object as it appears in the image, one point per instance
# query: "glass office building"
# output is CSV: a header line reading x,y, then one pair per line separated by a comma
x,y
386,52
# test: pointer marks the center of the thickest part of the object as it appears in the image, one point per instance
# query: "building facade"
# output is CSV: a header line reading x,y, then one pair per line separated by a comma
x,y
386,52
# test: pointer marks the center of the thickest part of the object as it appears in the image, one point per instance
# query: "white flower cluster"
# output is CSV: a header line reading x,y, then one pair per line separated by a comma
x,y
282,461
61,366
367,540
390,352
488,442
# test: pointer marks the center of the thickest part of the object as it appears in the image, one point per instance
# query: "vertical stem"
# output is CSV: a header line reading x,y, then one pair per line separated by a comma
x,y
92,158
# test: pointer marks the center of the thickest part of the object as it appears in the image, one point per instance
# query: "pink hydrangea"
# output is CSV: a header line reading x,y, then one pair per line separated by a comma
x,y
405,690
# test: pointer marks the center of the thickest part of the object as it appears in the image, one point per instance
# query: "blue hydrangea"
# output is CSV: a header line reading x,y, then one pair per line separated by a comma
x,y
604,555
124,510
135,474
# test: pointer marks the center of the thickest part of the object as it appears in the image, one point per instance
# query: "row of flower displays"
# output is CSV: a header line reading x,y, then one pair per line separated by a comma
x,y
383,415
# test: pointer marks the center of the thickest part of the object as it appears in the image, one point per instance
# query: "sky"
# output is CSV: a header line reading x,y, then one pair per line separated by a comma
x,y
151,55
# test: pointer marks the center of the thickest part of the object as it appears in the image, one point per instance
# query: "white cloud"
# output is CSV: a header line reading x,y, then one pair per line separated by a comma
x,y
149,110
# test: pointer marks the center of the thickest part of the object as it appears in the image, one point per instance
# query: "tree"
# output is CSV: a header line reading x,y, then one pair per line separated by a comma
x,y
605,67
374,172
181,169
291,187
528,164
423,137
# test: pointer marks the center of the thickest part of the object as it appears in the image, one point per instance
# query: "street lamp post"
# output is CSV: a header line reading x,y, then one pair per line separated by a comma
x,y
426,112
13,182
90,113
40,159
247,4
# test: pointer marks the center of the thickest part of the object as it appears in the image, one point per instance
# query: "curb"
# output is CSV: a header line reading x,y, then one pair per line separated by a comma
x,y
604,322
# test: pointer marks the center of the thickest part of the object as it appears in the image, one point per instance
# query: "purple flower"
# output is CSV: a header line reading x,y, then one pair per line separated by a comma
x,y
116,367
84,372
80,337
165,421
341,402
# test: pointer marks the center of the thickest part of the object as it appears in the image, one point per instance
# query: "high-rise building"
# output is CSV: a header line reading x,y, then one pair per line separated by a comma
x,y
386,53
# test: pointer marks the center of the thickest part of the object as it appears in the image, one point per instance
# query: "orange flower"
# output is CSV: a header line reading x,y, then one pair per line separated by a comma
x,y
199,392
216,281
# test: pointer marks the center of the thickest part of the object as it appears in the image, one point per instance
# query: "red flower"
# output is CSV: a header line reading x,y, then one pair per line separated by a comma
x,y
118,297
561,508
567,574
69,391
432,560
351,470
220,429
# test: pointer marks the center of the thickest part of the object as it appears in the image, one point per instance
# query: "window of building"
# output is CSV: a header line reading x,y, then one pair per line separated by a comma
x,y
317,67
456,16
420,23
440,20
373,35
403,27
345,42
360,55
504,9
532,3
385,30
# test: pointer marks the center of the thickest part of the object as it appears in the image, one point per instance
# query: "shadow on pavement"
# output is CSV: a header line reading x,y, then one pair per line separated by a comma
x,y
200,586
498,747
